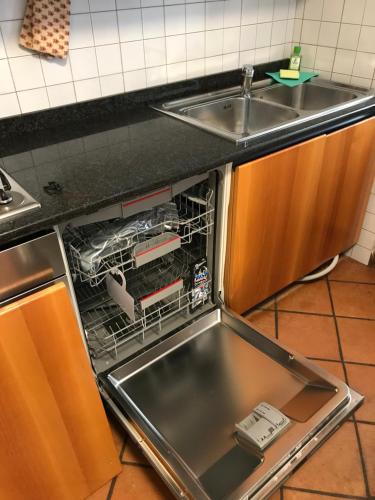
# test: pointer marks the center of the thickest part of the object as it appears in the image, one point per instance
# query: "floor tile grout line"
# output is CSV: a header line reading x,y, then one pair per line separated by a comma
x,y
314,358
352,282
111,488
137,464
327,493
276,319
365,422
363,464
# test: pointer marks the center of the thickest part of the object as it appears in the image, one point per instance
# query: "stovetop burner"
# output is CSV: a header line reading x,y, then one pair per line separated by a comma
x,y
14,200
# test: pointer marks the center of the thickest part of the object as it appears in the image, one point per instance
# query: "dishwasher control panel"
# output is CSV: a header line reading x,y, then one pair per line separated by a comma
x,y
263,425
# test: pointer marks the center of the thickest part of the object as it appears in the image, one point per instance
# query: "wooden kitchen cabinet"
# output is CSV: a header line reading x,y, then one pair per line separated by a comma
x,y
293,210
55,441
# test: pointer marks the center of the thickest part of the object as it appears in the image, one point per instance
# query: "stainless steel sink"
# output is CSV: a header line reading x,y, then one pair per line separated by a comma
x,y
240,116
271,107
309,97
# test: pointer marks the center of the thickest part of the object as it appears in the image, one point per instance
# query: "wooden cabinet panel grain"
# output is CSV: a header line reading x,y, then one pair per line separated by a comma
x,y
55,441
293,210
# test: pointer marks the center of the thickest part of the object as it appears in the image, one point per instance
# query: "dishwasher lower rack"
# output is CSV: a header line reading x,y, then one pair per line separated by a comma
x,y
107,326
195,217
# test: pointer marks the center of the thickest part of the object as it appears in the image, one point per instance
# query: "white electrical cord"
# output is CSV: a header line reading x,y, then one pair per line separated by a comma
x,y
320,274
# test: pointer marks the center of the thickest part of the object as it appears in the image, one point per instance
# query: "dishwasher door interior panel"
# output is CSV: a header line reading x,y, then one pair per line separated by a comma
x,y
188,393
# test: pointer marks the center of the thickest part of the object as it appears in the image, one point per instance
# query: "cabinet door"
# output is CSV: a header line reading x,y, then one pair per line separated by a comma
x,y
55,441
348,172
271,221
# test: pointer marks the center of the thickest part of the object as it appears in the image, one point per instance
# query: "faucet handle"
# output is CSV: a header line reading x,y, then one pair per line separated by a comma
x,y
248,70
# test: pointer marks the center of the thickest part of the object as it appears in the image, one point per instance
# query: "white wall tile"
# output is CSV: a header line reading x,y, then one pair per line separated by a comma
x,y
263,37
101,5
214,65
87,89
10,31
248,37
369,15
310,32
109,59
249,12
262,55
33,100
80,31
247,57
349,36
195,43
328,34
297,28
195,68
214,43
300,6
231,42
292,9
6,81
2,47
176,72
174,19
332,10
309,54
130,25
132,54
324,58
195,17
232,13
156,75
280,10
367,39
340,78
361,254
371,204
27,72
214,15
353,11
230,61
176,48
278,32
56,70
364,65
153,22
79,6
367,239
135,80
155,52
369,222
11,9
60,95
105,27
83,63
344,61
112,84
265,11
276,52
289,30
313,9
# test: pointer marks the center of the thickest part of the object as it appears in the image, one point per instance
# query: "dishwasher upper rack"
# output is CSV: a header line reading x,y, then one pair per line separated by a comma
x,y
196,216
107,327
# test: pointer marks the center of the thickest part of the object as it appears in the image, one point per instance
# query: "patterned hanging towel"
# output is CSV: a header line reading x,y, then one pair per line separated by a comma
x,y
45,27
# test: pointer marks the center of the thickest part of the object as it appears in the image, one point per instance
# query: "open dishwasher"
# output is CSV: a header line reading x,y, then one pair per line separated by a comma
x,y
221,411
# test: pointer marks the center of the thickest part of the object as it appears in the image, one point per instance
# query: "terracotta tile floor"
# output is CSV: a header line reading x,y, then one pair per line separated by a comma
x,y
333,322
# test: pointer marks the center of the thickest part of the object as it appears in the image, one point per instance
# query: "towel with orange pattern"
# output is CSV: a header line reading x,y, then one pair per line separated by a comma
x,y
45,27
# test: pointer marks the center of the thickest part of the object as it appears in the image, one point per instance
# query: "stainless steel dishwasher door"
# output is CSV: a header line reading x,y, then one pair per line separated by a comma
x,y
188,393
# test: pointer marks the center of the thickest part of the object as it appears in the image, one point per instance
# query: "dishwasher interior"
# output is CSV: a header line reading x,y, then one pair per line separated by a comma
x,y
140,276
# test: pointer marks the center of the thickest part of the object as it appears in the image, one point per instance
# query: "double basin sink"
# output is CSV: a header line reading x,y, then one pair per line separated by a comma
x,y
270,108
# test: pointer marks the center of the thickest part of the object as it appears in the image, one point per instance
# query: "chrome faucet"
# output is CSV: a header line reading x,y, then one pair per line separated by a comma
x,y
248,73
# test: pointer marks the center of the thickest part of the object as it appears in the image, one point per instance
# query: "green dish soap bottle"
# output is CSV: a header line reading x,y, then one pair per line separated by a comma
x,y
295,59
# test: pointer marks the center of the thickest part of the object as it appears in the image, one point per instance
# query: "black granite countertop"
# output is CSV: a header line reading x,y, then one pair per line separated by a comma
x,y
103,158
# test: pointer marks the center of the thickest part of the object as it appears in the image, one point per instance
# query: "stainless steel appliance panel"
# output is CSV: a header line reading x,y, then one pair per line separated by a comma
x,y
28,265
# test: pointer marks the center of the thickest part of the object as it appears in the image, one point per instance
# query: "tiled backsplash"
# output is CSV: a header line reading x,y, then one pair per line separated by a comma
x,y
123,45
338,41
